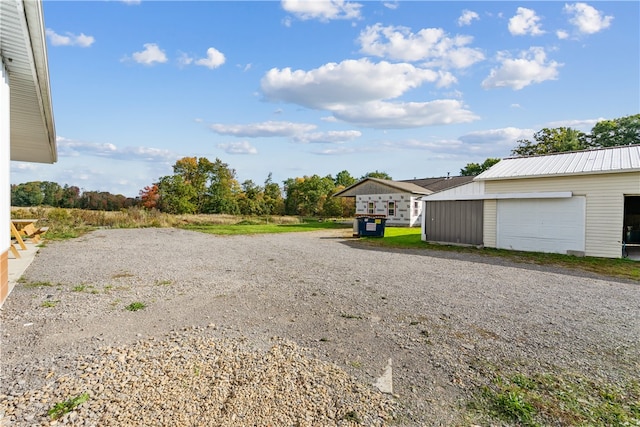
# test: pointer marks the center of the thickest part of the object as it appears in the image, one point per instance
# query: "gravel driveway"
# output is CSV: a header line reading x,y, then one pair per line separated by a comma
x,y
291,329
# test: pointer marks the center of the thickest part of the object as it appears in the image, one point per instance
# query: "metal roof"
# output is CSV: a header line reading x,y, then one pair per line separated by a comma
x,y
439,184
405,187
24,54
604,160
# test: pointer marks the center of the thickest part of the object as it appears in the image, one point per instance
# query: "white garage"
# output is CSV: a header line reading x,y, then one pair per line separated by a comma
x,y
580,203
542,225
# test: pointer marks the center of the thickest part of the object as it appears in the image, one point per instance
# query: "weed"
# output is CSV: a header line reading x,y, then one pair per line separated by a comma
x,y
108,288
79,288
163,282
22,279
353,417
61,408
323,339
49,303
37,284
135,306
356,363
350,316
121,275
115,302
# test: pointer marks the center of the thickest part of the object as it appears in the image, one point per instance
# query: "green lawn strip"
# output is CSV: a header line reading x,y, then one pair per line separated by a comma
x,y
251,228
563,398
411,238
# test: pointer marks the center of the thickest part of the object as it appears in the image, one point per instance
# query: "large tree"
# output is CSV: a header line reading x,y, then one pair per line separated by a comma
x,y
554,140
622,131
473,169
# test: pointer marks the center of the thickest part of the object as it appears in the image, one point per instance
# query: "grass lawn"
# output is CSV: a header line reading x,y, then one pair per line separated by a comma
x,y
410,238
248,227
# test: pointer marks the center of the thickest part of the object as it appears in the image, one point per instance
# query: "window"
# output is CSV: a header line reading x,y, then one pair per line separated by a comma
x,y
371,208
416,208
391,208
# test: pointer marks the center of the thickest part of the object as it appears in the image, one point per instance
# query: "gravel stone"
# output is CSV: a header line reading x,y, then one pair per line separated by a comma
x,y
291,330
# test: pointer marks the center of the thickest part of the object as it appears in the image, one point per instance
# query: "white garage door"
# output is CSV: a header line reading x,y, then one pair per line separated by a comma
x,y
542,225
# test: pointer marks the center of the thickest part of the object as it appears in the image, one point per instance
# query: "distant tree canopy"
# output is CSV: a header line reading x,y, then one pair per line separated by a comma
x,y
473,169
377,174
37,193
606,133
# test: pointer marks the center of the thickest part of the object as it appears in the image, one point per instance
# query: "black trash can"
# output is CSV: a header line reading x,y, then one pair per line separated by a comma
x,y
371,226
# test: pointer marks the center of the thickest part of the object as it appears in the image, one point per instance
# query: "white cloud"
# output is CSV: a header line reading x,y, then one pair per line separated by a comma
x,y
72,148
586,18
391,5
150,55
562,34
214,59
431,45
331,137
584,125
467,17
525,22
243,147
322,10
398,115
350,82
69,39
505,137
531,67
264,129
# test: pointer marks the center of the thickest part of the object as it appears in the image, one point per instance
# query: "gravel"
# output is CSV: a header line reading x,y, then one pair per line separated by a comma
x,y
291,329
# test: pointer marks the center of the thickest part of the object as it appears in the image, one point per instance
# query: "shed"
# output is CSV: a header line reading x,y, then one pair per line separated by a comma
x,y
398,201
27,131
583,203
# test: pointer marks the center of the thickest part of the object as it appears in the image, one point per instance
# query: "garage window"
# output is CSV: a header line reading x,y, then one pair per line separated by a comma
x,y
391,208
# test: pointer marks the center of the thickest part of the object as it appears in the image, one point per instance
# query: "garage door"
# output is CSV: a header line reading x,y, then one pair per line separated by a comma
x,y
542,225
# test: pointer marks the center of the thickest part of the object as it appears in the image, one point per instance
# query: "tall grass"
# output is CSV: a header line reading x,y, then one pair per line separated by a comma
x,y
69,223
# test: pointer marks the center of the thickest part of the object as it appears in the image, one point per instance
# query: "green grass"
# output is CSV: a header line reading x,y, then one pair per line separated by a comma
x,y
49,303
61,408
251,228
135,306
37,284
411,238
563,398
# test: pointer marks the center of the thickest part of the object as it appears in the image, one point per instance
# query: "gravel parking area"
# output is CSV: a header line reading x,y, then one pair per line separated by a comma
x,y
291,329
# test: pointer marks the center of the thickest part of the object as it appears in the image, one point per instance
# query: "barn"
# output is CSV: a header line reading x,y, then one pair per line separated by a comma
x,y
582,203
26,116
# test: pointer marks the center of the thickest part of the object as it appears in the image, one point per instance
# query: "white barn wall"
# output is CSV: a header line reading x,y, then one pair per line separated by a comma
x,y
489,230
604,205
405,215
5,162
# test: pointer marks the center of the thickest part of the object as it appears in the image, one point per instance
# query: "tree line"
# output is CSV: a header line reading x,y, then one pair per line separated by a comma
x,y
605,133
199,185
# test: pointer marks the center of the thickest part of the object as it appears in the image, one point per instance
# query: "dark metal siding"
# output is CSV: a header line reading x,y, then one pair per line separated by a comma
x,y
455,221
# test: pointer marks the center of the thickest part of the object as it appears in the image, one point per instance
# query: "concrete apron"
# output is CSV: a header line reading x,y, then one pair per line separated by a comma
x,y
17,266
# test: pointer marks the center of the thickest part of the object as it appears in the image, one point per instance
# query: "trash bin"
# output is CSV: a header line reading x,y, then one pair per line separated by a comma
x,y
371,226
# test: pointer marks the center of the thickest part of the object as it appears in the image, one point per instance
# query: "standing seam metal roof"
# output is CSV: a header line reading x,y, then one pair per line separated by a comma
x,y
604,160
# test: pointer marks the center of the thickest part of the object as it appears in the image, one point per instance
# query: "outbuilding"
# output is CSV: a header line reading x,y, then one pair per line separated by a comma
x,y
397,201
582,203
27,131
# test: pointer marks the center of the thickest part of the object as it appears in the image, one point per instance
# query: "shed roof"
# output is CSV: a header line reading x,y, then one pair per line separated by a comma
x,y
24,55
404,187
604,160
439,184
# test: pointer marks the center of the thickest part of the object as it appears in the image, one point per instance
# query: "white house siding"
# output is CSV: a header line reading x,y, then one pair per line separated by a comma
x,y
5,189
489,231
604,205
404,215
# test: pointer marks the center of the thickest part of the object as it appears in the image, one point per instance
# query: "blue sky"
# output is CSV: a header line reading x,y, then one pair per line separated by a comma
x,y
300,87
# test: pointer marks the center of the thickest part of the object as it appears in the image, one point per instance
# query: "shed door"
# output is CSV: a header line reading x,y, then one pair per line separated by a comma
x,y
542,225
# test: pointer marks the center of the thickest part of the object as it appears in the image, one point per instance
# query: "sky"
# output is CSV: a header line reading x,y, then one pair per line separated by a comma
x,y
295,88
